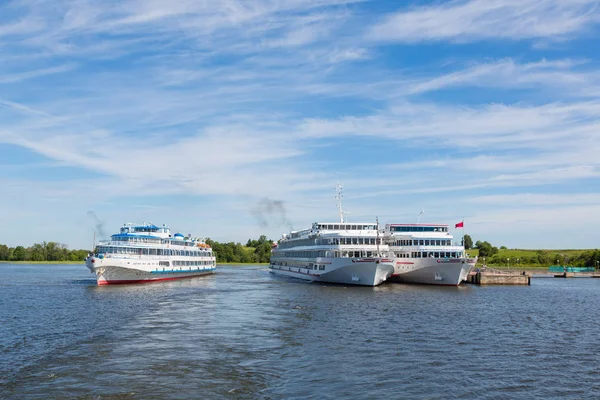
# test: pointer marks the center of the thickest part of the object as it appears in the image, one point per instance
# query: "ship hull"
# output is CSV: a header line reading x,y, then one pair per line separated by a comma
x,y
365,272
108,273
431,271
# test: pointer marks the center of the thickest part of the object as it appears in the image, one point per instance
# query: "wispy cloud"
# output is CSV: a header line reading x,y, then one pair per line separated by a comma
x,y
21,76
507,74
470,20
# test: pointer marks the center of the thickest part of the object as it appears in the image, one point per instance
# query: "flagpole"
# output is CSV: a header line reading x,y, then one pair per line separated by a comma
x,y
464,244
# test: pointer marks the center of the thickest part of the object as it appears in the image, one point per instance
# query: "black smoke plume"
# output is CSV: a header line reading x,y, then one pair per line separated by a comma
x,y
271,213
99,224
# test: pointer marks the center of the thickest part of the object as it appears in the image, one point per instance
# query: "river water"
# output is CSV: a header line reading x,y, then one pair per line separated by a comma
x,y
246,334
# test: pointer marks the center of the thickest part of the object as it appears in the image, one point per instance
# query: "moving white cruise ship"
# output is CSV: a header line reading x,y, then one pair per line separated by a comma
x,y
149,253
334,252
425,254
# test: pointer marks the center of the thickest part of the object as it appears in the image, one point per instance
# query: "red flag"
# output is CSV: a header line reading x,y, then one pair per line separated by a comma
x,y
460,224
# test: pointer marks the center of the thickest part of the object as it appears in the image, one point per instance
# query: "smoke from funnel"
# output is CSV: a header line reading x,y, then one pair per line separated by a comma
x,y
99,224
271,213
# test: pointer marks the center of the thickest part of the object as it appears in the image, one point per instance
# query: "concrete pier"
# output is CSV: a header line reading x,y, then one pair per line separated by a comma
x,y
499,278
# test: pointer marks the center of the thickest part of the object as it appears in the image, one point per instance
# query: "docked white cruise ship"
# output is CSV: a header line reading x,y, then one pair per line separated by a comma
x,y
425,254
148,253
334,252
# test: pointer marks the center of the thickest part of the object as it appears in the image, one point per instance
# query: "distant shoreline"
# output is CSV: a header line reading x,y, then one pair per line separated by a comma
x,y
43,262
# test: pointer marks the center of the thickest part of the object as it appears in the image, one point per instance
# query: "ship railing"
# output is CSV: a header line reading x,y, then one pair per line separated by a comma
x,y
125,256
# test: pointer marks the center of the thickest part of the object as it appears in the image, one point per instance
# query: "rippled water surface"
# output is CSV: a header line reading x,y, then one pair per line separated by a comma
x,y
244,333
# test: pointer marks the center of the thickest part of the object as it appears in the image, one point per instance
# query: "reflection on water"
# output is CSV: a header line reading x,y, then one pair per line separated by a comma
x,y
244,333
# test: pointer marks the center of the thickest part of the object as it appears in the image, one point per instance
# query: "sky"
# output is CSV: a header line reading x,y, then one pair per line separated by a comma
x,y
231,119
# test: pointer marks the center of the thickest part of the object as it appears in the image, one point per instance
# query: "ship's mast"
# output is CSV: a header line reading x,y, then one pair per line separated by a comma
x,y
421,213
377,240
338,196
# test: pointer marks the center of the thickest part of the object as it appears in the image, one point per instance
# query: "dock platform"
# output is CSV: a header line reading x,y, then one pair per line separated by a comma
x,y
493,277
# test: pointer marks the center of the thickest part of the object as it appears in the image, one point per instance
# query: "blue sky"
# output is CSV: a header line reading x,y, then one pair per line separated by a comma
x,y
198,113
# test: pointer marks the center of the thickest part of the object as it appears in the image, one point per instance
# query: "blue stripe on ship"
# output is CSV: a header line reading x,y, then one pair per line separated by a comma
x,y
183,271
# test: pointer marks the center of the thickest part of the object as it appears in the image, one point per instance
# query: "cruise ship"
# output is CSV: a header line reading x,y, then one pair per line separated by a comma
x,y
425,254
149,253
334,252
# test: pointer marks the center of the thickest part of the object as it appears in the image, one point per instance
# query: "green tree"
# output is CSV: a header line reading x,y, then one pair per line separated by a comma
x,y
37,252
4,252
468,242
18,254
485,249
542,258
263,252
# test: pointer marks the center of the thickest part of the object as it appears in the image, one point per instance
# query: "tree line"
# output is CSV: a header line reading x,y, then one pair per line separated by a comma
x,y
45,251
495,256
255,251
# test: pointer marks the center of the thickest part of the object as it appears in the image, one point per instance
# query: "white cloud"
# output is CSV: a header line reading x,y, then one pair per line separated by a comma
x,y
538,199
469,20
506,74
17,77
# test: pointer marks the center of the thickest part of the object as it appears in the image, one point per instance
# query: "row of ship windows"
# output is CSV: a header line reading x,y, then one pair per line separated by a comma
x,y
419,229
334,241
353,240
356,254
154,241
190,263
151,252
422,242
299,265
427,254
346,227
326,253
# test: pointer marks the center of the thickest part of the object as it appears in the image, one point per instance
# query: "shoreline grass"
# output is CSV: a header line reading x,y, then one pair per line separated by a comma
x,y
240,263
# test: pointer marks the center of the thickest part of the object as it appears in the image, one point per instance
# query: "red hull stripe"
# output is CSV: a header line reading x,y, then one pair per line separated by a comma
x,y
125,282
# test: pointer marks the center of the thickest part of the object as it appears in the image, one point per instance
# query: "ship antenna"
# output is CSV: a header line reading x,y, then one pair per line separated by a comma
x,y
421,213
377,241
338,196
94,242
